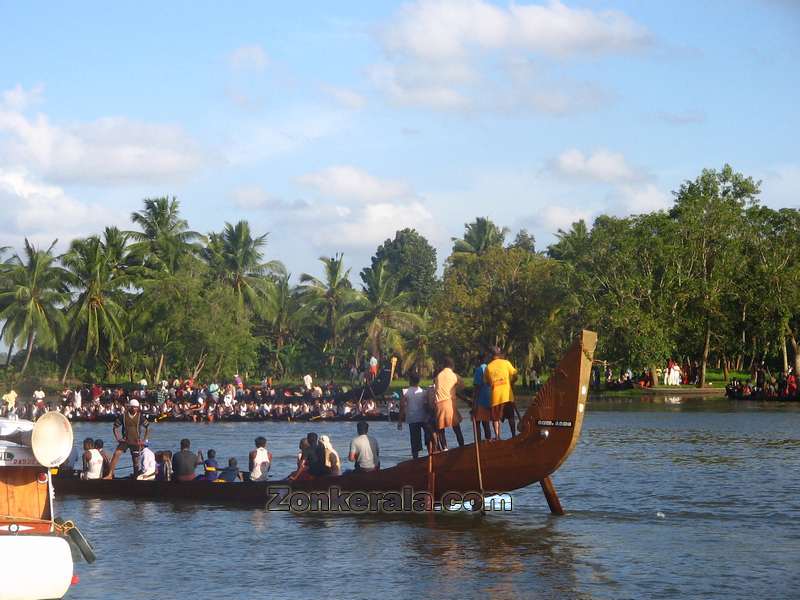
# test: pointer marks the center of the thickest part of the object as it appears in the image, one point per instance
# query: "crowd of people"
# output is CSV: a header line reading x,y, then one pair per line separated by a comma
x,y
671,374
185,400
765,385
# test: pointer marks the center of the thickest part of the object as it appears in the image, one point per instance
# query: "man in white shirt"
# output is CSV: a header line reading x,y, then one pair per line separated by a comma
x,y
414,411
147,463
364,450
308,381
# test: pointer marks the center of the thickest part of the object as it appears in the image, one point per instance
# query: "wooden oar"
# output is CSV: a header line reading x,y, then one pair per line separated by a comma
x,y
430,501
478,461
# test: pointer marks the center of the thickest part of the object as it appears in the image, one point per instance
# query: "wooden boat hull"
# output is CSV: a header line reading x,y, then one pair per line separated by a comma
x,y
549,431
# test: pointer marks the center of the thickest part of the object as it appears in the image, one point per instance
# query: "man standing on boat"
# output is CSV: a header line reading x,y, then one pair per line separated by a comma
x,y
482,399
134,431
500,375
414,412
447,386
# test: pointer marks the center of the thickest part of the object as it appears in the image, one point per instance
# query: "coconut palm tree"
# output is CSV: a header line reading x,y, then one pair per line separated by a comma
x,y
164,237
479,236
282,316
32,301
96,314
417,355
4,284
572,244
328,296
235,257
381,312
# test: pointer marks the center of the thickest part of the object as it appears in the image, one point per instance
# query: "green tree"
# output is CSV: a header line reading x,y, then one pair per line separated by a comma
x,y
381,312
507,297
235,257
186,327
479,237
165,237
283,320
96,314
418,347
709,213
411,260
524,241
328,298
33,300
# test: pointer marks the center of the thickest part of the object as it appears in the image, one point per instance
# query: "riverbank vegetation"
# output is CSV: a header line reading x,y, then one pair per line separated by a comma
x,y
715,279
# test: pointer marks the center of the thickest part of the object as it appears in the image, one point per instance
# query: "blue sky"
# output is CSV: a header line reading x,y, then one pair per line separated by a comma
x,y
331,125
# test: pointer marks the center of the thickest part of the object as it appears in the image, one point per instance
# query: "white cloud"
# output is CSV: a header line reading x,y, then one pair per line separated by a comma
x,y
252,58
602,165
553,217
109,150
373,223
254,197
345,97
448,29
423,85
643,198
465,55
19,99
351,183
43,212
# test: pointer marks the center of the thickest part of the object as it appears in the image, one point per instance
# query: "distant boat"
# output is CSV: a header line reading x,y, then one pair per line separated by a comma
x,y
548,432
35,547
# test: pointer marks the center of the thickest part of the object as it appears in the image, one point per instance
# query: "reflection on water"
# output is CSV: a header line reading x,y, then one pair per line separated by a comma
x,y
664,500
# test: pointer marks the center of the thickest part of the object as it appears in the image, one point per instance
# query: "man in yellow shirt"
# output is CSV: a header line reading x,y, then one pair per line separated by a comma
x,y
500,374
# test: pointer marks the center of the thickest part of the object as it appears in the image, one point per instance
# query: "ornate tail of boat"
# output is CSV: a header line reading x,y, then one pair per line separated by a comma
x,y
37,549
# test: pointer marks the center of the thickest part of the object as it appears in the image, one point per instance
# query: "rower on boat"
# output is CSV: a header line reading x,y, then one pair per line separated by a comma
x,y
332,462
364,450
185,462
231,473
134,431
314,455
260,460
210,465
92,461
98,445
147,467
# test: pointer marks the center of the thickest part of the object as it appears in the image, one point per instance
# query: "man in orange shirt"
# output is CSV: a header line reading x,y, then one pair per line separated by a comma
x,y
500,374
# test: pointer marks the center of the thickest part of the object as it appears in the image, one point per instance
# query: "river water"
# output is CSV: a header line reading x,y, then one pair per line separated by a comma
x,y
682,498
